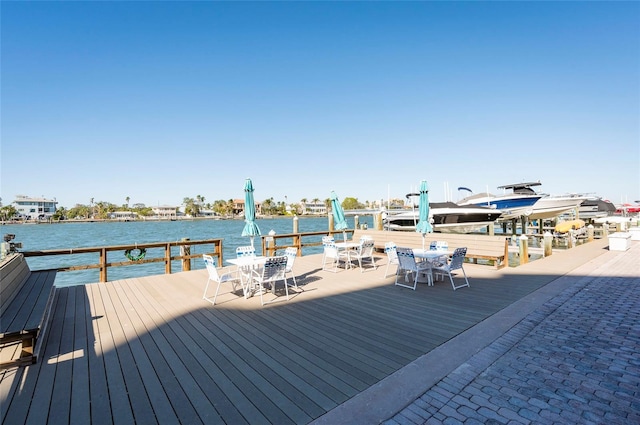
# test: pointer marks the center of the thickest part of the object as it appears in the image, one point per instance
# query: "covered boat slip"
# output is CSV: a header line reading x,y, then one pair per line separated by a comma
x,y
150,350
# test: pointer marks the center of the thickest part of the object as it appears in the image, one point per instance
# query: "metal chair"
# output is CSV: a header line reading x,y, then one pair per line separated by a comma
x,y
407,265
332,256
392,256
457,260
364,251
245,272
326,240
243,251
214,276
273,271
291,253
439,246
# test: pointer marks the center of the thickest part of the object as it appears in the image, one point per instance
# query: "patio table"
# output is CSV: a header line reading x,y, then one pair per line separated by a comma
x,y
431,256
246,265
347,247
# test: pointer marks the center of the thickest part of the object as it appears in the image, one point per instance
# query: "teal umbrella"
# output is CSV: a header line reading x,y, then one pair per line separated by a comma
x,y
339,222
251,229
423,225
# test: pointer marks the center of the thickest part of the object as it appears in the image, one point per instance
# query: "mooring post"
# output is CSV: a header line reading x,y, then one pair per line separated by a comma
x,y
356,222
377,221
184,251
590,233
331,228
548,242
524,249
571,241
295,224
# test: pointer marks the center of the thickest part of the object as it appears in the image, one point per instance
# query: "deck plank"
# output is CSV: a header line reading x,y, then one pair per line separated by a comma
x,y
151,350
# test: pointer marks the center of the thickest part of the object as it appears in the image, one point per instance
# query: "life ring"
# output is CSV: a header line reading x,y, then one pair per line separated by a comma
x,y
138,257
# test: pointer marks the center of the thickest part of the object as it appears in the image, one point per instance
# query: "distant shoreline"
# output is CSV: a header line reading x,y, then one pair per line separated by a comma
x,y
154,219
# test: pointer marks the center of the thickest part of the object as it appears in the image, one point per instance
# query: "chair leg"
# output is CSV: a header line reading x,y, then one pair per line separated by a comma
x,y
406,285
460,286
286,287
261,289
204,295
293,276
465,277
216,294
386,272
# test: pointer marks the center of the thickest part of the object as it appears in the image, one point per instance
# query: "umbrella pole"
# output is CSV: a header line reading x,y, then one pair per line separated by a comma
x,y
423,241
344,236
251,239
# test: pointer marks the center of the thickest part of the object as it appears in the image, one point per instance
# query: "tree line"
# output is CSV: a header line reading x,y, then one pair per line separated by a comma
x,y
193,207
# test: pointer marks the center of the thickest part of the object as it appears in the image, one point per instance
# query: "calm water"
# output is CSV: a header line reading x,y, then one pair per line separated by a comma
x,y
35,237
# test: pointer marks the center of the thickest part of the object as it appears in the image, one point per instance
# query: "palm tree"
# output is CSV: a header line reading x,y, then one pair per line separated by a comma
x,y
127,199
230,205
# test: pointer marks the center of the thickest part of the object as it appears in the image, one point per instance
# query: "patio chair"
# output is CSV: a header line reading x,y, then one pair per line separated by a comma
x,y
243,251
326,240
332,256
214,276
439,246
407,265
392,256
291,253
364,251
273,271
457,260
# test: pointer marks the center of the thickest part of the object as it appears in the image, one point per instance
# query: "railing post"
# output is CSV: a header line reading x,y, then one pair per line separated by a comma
x,y
103,265
297,241
167,258
270,243
219,251
184,251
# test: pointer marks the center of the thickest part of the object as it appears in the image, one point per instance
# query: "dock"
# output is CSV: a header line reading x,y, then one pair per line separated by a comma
x,y
150,350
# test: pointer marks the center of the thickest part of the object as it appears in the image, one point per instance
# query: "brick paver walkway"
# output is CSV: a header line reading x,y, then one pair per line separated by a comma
x,y
576,360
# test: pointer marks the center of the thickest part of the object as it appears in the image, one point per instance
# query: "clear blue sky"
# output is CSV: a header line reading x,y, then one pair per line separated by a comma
x,y
157,101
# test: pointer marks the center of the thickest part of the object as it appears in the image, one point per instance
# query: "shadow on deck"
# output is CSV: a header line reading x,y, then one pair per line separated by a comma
x,y
151,350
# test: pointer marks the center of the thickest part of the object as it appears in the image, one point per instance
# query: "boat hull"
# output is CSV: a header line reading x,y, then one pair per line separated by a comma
x,y
511,205
553,206
446,217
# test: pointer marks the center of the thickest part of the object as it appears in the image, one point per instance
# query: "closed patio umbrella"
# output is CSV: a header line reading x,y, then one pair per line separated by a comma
x,y
424,226
251,229
339,222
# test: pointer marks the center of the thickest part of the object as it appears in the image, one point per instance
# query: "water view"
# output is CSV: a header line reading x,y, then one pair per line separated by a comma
x,y
75,235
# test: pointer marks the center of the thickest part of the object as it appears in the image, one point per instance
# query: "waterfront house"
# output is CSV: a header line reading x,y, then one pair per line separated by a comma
x,y
34,208
165,211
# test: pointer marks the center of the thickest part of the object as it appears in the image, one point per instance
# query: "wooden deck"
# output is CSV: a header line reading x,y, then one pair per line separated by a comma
x,y
150,350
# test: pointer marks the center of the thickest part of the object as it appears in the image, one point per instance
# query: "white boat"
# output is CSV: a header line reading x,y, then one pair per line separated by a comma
x,y
548,206
595,207
512,204
445,217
